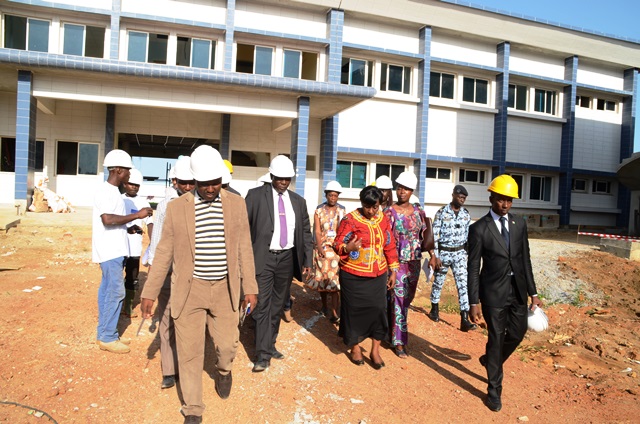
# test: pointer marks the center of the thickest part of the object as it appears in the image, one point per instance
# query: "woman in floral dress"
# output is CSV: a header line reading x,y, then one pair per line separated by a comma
x,y
324,277
407,226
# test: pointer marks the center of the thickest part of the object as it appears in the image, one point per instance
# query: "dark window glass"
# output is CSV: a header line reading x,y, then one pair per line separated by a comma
x,y
201,53
158,48
383,77
358,72
183,53
88,159
94,42
396,77
343,173
432,172
8,146
73,38
482,91
521,97
447,86
67,159
39,166
512,96
309,66
406,84
382,169
434,85
518,179
359,175
539,100
264,56
137,47
15,32
292,64
468,89
344,71
38,35
254,159
244,58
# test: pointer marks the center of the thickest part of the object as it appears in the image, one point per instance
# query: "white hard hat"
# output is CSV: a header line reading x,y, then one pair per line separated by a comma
x,y
135,177
333,186
384,183
117,158
206,164
266,178
226,175
413,199
537,320
407,179
281,166
172,172
182,169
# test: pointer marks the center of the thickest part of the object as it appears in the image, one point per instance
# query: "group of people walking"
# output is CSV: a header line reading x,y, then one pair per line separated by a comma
x,y
215,257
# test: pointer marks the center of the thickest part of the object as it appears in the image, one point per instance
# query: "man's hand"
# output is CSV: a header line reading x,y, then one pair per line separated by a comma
x,y
475,314
320,249
144,212
391,282
536,301
251,299
146,307
306,272
435,263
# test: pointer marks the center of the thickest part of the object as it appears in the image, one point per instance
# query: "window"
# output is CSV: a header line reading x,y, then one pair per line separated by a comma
x,y
81,40
392,171
601,187
441,85
254,59
301,65
26,33
357,72
607,105
578,184
540,188
351,174
77,158
395,78
311,163
196,53
545,101
518,97
519,179
471,176
147,47
8,155
583,101
254,159
439,173
475,90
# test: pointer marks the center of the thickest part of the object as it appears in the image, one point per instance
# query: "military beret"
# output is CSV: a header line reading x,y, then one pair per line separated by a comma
x,y
460,190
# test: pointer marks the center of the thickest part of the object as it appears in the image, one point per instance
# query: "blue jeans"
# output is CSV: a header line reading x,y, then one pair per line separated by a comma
x,y
110,295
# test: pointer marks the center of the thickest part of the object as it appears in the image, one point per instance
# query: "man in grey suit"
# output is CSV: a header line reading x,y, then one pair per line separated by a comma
x,y
500,241
282,248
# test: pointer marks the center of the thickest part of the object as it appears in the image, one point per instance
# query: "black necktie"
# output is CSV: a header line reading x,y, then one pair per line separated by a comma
x,y
504,231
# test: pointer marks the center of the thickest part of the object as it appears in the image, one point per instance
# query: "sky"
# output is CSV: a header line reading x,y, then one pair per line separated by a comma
x,y
617,17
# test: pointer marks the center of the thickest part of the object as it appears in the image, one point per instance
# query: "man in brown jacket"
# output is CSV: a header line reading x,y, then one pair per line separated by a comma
x,y
206,239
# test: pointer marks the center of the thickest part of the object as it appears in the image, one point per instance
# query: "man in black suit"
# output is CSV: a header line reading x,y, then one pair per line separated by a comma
x,y
500,240
282,248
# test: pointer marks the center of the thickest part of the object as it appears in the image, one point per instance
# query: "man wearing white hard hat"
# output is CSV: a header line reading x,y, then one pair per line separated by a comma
x,y
500,276
282,248
206,243
133,203
184,183
110,248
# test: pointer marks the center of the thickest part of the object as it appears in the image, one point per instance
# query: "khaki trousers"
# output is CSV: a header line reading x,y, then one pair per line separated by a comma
x,y
168,354
208,305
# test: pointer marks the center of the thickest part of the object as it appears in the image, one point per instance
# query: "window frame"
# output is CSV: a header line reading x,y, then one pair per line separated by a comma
x,y
543,186
63,39
515,98
475,81
579,101
605,105
78,157
351,162
148,44
27,32
406,78
368,77
441,84
596,190
438,169
545,107
578,190
482,175
211,62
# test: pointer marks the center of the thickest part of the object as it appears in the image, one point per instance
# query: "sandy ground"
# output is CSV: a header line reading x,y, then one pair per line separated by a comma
x,y
583,369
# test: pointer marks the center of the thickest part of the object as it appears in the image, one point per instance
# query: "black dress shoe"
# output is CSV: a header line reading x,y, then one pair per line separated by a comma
x,y
377,365
260,366
192,419
357,362
223,385
168,381
277,355
483,360
493,403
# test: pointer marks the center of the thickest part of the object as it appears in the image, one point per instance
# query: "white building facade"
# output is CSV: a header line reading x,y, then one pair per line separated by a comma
x,y
349,89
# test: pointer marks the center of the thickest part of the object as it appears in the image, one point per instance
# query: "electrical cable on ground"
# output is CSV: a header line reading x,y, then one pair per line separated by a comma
x,y
30,408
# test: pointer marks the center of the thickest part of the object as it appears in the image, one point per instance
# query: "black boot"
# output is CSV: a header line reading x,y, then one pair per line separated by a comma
x,y
465,324
433,315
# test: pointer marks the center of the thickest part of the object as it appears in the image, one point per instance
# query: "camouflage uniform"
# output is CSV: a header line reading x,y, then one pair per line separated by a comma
x,y
450,232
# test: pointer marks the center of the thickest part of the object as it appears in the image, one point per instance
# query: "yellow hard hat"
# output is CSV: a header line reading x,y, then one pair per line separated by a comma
x,y
229,166
504,184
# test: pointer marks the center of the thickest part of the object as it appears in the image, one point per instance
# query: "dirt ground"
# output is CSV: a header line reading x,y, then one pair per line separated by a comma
x,y
583,369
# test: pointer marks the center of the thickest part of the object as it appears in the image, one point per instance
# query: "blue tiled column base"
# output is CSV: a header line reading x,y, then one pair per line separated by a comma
x,y
422,124
299,144
225,137
25,137
568,137
328,150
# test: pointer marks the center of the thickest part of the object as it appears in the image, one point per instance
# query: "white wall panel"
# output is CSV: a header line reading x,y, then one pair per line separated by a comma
x,y
377,124
98,4
600,77
462,49
604,201
160,121
381,35
195,10
595,219
460,133
8,115
534,142
596,146
280,19
539,64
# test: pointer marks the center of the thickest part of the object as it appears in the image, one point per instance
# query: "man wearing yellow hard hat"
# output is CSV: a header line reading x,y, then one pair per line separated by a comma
x,y
500,243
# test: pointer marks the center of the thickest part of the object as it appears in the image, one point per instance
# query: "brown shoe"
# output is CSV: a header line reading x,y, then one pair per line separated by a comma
x,y
123,340
115,346
287,316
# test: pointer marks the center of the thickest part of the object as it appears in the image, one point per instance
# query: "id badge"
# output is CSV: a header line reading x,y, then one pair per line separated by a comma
x,y
331,233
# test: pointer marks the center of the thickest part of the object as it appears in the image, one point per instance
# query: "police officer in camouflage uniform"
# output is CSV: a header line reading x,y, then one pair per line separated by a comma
x,y
450,232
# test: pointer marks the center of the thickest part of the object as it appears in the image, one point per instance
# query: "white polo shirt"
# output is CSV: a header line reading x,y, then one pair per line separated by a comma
x,y
108,241
133,205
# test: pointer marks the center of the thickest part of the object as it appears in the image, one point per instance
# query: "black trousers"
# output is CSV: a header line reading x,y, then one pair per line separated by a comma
x,y
131,271
273,290
507,326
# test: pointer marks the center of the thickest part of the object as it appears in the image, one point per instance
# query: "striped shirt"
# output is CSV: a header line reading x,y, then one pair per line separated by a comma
x,y
211,254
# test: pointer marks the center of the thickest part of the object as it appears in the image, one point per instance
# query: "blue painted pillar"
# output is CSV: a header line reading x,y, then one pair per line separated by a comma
x,y
568,139
627,138
422,118
502,103
225,137
26,112
335,25
109,133
114,42
299,144
229,35
328,150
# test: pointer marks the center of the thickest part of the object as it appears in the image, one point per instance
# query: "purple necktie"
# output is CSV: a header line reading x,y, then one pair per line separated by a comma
x,y
283,221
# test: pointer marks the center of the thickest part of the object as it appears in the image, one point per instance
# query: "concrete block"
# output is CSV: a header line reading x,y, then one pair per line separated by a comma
x,y
621,248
